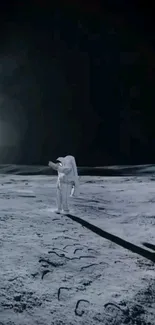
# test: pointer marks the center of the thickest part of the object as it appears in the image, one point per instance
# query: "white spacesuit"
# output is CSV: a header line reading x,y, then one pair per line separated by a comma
x,y
67,183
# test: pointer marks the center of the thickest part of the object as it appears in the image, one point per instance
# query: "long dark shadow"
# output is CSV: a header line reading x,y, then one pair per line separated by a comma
x,y
117,240
148,245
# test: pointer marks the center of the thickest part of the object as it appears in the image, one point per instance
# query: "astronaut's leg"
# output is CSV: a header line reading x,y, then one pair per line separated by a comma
x,y
65,196
59,199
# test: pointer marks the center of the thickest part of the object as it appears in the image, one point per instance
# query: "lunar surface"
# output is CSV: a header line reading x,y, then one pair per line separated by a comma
x,y
53,271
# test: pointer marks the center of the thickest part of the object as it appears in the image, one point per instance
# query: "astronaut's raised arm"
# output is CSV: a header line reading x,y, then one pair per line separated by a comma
x,y
64,170
53,165
59,168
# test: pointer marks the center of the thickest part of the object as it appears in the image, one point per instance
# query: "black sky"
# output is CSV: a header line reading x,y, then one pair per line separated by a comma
x,y
79,79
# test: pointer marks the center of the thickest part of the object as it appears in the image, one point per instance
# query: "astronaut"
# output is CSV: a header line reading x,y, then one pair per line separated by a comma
x,y
67,182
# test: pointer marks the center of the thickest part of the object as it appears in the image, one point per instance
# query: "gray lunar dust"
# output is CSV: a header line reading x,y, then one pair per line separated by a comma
x,y
54,271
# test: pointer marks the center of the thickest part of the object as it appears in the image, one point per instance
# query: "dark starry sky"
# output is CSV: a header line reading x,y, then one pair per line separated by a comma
x,y
77,79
